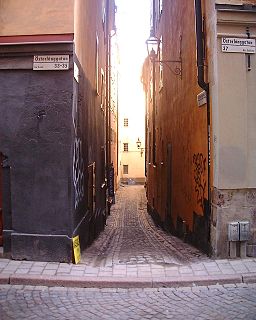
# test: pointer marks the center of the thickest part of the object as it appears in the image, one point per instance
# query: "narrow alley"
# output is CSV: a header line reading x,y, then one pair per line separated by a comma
x,y
132,238
132,251
134,270
127,159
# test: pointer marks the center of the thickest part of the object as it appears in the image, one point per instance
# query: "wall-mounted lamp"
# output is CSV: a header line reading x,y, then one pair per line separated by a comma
x,y
138,142
153,47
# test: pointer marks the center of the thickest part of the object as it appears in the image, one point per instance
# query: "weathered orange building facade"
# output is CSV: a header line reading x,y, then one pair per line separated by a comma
x,y
184,93
55,124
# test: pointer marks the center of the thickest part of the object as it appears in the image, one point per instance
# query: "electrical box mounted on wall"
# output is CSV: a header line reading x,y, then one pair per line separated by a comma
x,y
233,231
244,230
238,231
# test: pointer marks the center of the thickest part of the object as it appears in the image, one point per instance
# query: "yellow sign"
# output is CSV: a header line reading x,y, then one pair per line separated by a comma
x,y
76,248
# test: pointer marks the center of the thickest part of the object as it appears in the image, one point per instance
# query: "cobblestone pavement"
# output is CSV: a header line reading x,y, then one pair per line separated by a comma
x,y
132,238
132,247
213,302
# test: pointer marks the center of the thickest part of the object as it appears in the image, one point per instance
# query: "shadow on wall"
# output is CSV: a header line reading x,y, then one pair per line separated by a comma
x,y
5,205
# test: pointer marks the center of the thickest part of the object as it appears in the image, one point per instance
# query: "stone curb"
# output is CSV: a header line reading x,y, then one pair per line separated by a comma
x,y
80,282
196,281
4,278
249,277
114,282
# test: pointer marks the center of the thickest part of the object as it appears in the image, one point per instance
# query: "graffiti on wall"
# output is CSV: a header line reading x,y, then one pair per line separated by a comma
x,y
199,162
78,171
251,196
186,186
78,161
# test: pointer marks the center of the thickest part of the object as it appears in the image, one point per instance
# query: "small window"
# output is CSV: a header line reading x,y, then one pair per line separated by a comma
x,y
161,81
102,90
125,169
125,122
126,147
97,65
113,135
160,7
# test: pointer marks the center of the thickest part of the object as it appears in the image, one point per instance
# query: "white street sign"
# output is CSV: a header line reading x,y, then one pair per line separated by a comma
x,y
201,98
76,72
239,45
51,62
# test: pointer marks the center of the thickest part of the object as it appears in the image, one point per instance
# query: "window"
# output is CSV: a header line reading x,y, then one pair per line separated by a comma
x,y
125,122
150,148
125,169
97,65
126,147
160,7
104,19
112,135
161,83
102,91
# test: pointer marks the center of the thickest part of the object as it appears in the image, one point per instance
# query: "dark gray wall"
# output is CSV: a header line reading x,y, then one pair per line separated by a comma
x,y
89,118
52,133
36,136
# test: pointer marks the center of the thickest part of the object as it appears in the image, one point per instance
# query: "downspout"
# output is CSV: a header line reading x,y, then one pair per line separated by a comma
x,y
107,90
107,57
117,129
204,86
200,47
154,16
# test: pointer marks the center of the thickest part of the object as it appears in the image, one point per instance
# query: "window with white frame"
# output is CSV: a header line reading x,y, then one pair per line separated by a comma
x,y
126,122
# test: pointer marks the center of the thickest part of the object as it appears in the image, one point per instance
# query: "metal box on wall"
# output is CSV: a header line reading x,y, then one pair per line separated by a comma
x,y
233,231
244,230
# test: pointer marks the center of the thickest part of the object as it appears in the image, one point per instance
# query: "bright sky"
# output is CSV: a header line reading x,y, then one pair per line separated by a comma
x,y
133,28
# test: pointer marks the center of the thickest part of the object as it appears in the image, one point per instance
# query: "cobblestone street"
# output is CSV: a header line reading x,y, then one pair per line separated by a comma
x,y
132,238
214,302
132,248
134,270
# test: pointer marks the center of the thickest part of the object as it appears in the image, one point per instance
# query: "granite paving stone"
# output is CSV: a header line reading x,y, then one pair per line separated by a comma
x,y
49,272
51,267
132,246
22,271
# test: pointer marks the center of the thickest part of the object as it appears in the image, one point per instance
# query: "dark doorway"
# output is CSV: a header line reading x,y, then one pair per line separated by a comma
x,y
1,199
169,187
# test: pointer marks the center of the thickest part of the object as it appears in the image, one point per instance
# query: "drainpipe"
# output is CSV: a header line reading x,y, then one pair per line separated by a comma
x,y
117,128
108,152
200,46
204,86
154,16
107,85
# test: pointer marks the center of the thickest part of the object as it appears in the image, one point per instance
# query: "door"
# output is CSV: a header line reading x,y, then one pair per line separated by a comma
x,y
169,183
1,199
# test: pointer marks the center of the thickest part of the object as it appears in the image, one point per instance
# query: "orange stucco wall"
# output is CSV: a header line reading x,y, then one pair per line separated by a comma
x,y
86,14
235,2
180,123
32,17
93,23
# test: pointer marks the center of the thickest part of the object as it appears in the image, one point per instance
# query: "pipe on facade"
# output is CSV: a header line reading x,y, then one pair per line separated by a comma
x,y
200,46
204,86
108,154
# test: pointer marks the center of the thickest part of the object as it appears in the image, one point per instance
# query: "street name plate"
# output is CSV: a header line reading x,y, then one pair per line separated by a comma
x,y
239,45
51,62
201,98
76,72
